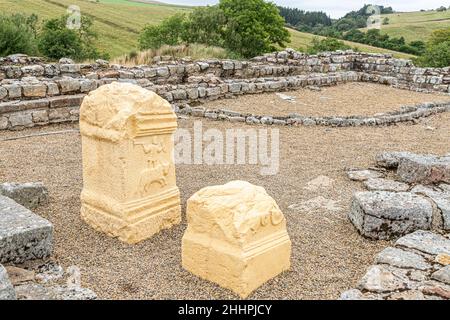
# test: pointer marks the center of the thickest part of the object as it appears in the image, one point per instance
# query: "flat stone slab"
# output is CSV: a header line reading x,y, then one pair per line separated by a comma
x,y
381,184
362,175
30,194
402,259
6,289
386,215
409,271
425,241
23,234
425,169
390,160
383,279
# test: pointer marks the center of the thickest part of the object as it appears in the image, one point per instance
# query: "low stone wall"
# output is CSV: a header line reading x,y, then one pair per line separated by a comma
x,y
407,114
33,92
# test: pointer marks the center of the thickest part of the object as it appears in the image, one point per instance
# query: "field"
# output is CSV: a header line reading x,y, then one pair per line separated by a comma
x,y
415,25
302,40
118,22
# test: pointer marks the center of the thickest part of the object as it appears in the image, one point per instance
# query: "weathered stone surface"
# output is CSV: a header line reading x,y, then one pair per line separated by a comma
x,y
129,184
30,195
6,289
355,294
34,90
382,184
35,291
442,275
21,119
435,288
382,279
362,175
236,237
68,84
385,215
425,241
441,198
407,295
23,235
424,169
391,160
402,259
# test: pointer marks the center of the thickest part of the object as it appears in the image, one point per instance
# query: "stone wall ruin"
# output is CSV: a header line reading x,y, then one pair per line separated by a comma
x,y
35,92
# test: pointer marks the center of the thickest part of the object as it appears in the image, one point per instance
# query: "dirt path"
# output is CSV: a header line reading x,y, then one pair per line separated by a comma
x,y
328,255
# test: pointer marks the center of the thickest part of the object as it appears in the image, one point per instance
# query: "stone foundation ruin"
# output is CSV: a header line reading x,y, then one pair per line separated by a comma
x,y
33,92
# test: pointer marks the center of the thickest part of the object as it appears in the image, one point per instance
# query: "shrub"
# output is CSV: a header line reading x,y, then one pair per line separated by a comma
x,y
206,25
253,27
327,44
57,41
17,35
437,52
170,32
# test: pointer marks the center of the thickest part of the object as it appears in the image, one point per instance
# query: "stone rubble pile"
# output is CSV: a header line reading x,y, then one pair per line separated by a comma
x,y
34,92
420,200
417,267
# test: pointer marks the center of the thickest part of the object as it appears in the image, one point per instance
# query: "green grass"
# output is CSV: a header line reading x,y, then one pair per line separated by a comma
x,y
300,40
415,25
118,22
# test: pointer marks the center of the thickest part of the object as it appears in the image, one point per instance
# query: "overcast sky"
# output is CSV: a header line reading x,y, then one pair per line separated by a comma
x,y
338,8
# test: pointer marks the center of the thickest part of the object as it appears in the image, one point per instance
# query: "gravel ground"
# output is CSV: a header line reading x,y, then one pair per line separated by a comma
x,y
353,98
328,255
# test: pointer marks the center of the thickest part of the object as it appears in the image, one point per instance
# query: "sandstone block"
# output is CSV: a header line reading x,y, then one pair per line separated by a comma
x,y
129,185
23,234
236,237
385,215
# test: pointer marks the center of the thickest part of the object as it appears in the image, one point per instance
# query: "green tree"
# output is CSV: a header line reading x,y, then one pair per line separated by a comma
x,y
171,32
57,41
253,27
206,25
16,35
437,52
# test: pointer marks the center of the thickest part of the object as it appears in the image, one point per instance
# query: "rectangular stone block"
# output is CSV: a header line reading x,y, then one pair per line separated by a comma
x,y
386,215
129,184
424,169
23,234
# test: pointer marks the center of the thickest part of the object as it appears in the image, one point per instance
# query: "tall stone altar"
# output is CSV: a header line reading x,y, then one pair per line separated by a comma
x,y
129,184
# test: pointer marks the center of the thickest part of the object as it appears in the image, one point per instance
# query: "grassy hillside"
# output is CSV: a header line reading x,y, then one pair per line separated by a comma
x,y
415,25
302,40
118,22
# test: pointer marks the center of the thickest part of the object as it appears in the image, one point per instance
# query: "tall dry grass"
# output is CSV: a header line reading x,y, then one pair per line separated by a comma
x,y
193,51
